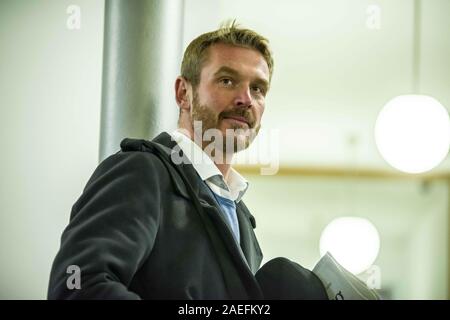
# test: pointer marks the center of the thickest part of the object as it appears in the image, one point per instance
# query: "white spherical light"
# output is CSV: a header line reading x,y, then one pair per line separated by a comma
x,y
354,242
412,133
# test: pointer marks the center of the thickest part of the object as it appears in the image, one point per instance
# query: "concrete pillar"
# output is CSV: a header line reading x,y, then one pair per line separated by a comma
x,y
141,58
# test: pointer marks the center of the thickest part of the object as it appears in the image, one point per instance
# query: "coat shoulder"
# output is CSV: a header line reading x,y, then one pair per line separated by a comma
x,y
134,159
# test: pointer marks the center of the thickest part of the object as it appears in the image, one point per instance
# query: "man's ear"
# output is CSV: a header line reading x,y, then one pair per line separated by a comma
x,y
183,92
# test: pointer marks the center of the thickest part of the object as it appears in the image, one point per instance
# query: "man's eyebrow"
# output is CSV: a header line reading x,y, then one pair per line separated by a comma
x,y
224,69
234,72
263,82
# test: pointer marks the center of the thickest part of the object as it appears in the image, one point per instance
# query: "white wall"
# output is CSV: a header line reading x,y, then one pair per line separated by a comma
x,y
428,248
50,85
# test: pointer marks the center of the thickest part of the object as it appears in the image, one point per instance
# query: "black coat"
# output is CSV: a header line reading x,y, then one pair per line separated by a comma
x,y
145,228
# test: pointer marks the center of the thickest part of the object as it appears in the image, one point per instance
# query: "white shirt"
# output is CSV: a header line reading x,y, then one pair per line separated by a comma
x,y
233,189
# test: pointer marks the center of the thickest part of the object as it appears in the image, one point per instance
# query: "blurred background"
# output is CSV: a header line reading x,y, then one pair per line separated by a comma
x,y
337,63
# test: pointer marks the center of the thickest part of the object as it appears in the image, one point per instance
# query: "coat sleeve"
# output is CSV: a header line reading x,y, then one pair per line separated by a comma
x,y
112,229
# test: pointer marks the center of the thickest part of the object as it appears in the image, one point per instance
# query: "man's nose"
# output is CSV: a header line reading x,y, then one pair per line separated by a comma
x,y
243,98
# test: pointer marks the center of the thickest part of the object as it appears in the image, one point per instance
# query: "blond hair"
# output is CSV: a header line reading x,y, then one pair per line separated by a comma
x,y
228,33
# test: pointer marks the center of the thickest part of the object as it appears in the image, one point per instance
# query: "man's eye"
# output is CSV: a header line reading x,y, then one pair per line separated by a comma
x,y
226,81
258,89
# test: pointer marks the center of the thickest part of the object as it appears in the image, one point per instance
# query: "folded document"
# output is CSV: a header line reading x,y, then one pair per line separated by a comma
x,y
340,283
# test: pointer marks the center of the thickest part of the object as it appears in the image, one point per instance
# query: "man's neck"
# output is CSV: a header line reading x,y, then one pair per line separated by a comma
x,y
224,162
224,168
221,160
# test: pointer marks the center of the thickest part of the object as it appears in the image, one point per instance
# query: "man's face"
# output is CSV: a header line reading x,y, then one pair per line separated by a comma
x,y
231,93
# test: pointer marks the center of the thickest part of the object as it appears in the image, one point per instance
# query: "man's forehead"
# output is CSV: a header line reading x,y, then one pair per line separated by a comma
x,y
234,59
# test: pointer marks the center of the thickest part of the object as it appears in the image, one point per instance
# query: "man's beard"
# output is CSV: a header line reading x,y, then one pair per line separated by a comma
x,y
235,139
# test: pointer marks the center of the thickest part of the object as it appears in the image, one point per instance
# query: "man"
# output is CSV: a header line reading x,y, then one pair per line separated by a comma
x,y
155,223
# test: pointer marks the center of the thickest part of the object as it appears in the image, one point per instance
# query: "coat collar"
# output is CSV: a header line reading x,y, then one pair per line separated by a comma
x,y
233,188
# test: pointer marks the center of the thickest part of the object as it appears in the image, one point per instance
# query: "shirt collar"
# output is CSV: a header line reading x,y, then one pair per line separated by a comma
x,y
236,185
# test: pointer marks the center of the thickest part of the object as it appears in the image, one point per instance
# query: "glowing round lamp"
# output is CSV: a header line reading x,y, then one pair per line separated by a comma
x,y
354,242
412,133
